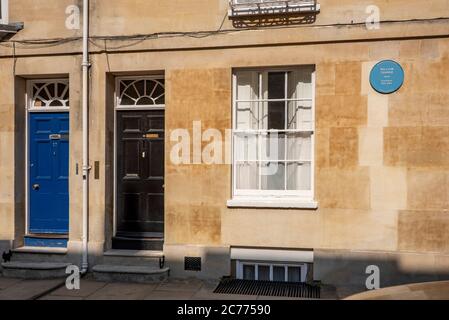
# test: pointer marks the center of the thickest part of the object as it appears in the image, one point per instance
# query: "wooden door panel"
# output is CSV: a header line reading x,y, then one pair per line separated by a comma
x,y
140,176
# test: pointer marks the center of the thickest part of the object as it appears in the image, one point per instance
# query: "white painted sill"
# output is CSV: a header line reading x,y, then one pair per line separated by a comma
x,y
272,203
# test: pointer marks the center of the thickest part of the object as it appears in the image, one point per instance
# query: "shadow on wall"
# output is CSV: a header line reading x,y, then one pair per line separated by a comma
x,y
273,21
215,261
348,271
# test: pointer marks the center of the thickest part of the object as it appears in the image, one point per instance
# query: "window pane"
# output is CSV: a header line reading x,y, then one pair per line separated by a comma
x,y
264,273
300,83
299,146
246,147
247,115
276,85
247,176
276,115
281,161
247,85
294,274
273,176
278,273
249,272
272,146
300,115
299,176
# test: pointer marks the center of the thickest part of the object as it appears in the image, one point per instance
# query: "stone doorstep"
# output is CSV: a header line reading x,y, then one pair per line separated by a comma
x,y
34,270
104,268
35,265
40,250
134,253
127,273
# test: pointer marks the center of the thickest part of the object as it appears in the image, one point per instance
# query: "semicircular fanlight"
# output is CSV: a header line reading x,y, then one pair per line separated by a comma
x,y
53,94
142,92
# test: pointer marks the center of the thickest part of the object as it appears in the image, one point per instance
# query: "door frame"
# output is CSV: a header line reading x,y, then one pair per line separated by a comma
x,y
119,108
29,109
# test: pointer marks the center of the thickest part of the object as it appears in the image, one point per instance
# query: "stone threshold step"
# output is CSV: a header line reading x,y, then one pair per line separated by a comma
x,y
40,250
35,265
134,253
137,274
104,268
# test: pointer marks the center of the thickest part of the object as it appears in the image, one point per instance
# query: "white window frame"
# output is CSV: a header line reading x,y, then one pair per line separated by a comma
x,y
241,263
118,107
30,96
4,18
273,198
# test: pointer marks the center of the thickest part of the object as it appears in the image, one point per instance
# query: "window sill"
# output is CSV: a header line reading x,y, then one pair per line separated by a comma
x,y
272,203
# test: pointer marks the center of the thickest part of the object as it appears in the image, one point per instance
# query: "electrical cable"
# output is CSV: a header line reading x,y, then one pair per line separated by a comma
x,y
139,38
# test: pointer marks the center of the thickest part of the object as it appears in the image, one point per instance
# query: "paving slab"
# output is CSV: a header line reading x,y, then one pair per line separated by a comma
x,y
206,292
87,288
267,298
418,291
123,291
7,282
201,295
29,289
170,295
181,285
57,298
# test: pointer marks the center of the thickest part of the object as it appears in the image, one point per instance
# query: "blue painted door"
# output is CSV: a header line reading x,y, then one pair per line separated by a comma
x,y
48,173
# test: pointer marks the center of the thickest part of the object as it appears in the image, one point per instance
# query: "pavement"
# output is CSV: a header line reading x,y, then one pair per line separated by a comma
x,y
172,289
417,291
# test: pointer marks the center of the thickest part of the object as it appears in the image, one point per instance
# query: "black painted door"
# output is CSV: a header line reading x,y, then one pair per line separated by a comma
x,y
140,173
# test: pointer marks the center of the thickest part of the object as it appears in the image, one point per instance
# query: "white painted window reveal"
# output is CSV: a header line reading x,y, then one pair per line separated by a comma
x,y
4,19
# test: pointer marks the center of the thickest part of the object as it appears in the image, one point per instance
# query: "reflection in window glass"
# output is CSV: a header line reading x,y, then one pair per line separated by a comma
x,y
278,273
264,273
249,272
294,274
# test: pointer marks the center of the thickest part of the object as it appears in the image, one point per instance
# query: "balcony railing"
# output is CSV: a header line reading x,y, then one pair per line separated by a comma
x,y
249,8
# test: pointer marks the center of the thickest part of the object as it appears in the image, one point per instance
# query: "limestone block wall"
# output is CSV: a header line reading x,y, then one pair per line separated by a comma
x,y
381,176
7,114
382,162
46,19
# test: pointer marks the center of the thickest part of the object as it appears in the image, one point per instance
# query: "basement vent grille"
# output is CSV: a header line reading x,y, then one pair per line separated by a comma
x,y
192,263
268,288
247,8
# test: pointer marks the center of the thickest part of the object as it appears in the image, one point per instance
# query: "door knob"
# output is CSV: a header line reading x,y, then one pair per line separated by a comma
x,y
36,186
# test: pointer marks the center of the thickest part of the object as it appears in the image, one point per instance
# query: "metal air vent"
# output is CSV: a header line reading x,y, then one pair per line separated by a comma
x,y
192,263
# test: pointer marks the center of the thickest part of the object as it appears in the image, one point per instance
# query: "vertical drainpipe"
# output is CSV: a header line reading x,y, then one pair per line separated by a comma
x,y
85,116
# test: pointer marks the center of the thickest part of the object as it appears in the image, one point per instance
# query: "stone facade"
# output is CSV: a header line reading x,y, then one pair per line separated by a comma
x,y
382,161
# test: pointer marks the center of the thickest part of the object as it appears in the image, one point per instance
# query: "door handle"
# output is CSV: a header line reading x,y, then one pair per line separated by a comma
x,y
144,154
36,187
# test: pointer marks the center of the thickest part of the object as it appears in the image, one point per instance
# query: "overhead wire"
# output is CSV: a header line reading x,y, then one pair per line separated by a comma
x,y
136,39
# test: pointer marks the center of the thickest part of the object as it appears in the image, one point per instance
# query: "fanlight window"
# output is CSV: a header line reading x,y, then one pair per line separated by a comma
x,y
141,92
50,94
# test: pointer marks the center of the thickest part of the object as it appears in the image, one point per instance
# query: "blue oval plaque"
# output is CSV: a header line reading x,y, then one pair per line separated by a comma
x,y
387,77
